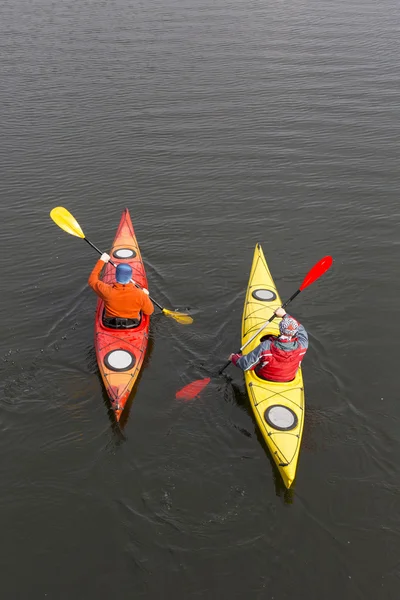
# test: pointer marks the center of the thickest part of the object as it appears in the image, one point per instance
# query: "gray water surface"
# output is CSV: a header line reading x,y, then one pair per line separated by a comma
x,y
219,124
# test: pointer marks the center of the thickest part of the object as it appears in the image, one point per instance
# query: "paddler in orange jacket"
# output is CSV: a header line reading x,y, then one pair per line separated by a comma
x,y
123,301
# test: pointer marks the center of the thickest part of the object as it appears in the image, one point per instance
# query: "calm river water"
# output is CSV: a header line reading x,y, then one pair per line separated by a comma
x,y
219,124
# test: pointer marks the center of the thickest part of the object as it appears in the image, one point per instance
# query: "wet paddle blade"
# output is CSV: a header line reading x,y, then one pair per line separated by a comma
x,y
191,390
319,269
63,218
182,318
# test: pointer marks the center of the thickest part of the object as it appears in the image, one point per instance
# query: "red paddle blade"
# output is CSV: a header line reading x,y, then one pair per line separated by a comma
x,y
191,390
319,269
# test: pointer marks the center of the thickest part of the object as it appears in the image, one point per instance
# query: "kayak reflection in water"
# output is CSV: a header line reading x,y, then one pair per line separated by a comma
x,y
277,358
123,301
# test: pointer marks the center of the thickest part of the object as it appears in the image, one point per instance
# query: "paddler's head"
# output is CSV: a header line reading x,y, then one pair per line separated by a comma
x,y
123,273
288,327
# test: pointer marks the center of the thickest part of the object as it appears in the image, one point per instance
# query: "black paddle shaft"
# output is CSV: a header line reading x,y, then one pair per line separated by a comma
x,y
255,335
95,247
100,252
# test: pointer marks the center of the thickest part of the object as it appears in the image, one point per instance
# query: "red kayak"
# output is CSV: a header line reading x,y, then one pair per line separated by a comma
x,y
120,352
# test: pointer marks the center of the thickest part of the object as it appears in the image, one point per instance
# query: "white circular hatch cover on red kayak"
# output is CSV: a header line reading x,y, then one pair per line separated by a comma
x,y
119,360
124,253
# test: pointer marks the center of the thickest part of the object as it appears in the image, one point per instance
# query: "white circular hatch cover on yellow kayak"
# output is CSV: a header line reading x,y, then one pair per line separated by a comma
x,y
280,417
264,295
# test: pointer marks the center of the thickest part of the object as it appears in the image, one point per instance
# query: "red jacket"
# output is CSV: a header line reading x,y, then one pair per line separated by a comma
x,y
120,300
280,365
275,359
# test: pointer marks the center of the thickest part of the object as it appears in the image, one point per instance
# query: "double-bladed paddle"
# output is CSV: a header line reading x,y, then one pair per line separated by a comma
x,y
63,218
194,388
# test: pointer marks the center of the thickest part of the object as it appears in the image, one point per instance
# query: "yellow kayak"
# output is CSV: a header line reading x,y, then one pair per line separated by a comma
x,y
278,407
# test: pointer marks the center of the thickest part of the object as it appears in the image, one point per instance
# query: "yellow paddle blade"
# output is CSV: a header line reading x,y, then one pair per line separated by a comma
x,y
63,218
182,318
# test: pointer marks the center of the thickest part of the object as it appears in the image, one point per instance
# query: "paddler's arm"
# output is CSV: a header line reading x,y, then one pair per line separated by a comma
x,y
101,288
249,361
147,305
302,336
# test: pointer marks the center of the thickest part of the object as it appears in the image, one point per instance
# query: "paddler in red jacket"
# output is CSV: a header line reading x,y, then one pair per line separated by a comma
x,y
123,301
277,358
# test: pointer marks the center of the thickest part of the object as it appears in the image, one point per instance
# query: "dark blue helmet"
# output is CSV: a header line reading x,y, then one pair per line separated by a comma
x,y
123,273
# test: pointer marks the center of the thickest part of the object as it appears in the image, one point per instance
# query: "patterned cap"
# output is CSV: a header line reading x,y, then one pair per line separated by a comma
x,y
288,326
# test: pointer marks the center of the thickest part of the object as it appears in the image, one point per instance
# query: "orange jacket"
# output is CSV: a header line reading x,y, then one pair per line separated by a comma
x,y
120,300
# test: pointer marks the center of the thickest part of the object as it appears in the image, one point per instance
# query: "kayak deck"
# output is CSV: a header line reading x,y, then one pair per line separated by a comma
x,y
120,352
278,407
